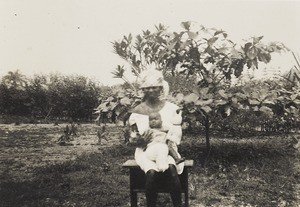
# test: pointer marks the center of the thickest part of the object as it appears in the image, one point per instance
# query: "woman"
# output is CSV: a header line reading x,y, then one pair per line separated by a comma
x,y
152,84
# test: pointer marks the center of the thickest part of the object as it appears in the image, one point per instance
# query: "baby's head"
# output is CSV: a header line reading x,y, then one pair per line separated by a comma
x,y
155,120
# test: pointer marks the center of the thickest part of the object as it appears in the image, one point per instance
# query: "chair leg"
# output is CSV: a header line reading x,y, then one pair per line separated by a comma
x,y
133,199
186,198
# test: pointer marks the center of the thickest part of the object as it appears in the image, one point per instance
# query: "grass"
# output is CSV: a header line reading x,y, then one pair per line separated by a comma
x,y
253,172
257,171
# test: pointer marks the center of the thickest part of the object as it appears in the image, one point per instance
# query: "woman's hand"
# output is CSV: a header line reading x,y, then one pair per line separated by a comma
x,y
147,136
141,140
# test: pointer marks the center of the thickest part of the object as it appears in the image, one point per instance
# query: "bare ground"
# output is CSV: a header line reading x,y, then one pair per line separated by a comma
x,y
36,171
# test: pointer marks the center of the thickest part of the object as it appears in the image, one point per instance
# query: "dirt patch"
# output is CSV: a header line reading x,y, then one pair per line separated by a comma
x,y
26,147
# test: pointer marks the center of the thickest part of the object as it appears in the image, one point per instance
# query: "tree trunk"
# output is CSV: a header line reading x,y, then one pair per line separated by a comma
x,y
48,113
207,133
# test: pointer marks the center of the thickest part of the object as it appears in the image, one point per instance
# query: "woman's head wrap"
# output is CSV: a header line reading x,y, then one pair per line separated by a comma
x,y
153,78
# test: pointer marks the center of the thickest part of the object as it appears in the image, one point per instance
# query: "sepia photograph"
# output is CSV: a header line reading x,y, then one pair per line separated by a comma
x,y
162,103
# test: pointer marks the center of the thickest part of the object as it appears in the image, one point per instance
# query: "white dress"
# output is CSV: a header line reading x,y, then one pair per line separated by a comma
x,y
142,122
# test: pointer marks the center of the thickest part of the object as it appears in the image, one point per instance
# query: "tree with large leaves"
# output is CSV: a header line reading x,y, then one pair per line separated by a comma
x,y
207,56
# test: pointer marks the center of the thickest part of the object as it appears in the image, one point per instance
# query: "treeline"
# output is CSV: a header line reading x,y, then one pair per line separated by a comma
x,y
51,97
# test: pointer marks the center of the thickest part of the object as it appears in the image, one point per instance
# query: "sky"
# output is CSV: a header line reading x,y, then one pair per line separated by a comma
x,y
73,37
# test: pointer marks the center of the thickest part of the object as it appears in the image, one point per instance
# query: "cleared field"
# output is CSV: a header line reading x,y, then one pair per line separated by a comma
x,y
36,171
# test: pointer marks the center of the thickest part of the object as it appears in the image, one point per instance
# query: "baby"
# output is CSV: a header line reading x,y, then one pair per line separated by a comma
x,y
160,136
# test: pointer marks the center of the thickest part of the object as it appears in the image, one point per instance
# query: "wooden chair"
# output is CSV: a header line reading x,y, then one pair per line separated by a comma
x,y
137,181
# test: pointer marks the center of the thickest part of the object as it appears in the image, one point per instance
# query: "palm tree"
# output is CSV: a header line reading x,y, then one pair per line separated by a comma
x,y
15,80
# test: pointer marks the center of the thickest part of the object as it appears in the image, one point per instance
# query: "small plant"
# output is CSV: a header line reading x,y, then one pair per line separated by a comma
x,y
102,134
65,138
126,134
73,130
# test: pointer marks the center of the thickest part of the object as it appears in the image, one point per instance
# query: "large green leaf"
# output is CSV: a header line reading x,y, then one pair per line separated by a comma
x,y
186,25
263,94
281,98
121,94
256,95
266,110
292,110
294,96
247,90
185,44
179,97
106,109
218,32
125,101
207,109
257,39
171,46
192,35
204,91
221,102
253,102
247,46
113,105
234,100
223,93
252,53
203,102
235,54
296,101
102,106
240,106
269,102
212,40
264,57
240,95
111,98
97,112
191,98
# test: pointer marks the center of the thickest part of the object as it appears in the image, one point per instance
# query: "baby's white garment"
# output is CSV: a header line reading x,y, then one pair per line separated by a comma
x,y
158,152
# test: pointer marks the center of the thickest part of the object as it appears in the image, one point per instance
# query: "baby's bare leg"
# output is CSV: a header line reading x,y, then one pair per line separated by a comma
x,y
174,154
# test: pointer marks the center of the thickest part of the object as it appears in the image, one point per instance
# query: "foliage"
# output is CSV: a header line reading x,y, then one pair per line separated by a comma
x,y
179,83
53,97
293,75
118,105
13,94
256,105
210,58
14,80
37,93
72,97
204,52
